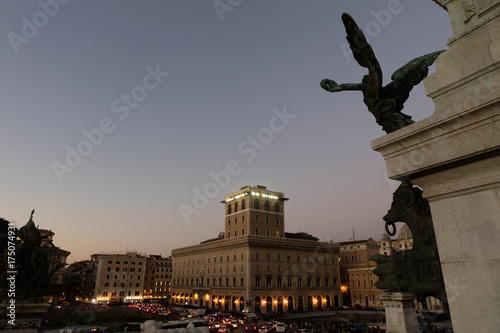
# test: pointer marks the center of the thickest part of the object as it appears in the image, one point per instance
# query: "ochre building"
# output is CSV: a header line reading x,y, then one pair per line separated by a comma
x,y
255,265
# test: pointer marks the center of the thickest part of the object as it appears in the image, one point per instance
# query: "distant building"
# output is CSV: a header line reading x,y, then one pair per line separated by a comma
x,y
80,281
119,277
386,244
158,278
255,265
57,258
355,267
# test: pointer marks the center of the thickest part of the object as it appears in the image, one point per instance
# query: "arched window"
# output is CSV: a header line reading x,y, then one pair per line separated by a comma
x,y
266,205
243,202
256,204
229,209
277,207
235,207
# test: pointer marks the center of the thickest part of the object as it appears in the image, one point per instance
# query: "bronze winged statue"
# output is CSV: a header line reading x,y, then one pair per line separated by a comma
x,y
385,103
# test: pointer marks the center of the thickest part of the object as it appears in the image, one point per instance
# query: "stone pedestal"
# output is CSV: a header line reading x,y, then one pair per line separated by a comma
x,y
400,313
27,316
454,156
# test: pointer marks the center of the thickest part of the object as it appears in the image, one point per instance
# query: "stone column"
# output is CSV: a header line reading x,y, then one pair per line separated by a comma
x,y
400,313
454,156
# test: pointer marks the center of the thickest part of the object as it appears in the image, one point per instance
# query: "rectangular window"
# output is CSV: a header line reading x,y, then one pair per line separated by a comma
x,y
268,282
308,280
243,232
242,256
359,257
242,282
326,282
318,284
298,258
234,282
299,282
256,231
268,233
257,281
278,282
268,257
289,282
257,256
288,258
278,257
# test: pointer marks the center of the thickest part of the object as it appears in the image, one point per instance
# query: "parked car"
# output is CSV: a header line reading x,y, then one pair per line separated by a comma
x,y
265,329
280,327
250,328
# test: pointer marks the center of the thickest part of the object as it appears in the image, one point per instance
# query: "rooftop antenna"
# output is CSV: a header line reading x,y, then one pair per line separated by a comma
x,y
353,238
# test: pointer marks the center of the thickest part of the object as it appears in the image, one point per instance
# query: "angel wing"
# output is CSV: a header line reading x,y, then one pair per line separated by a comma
x,y
364,55
408,76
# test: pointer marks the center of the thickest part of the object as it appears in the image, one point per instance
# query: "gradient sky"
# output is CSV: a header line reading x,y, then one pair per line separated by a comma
x,y
231,69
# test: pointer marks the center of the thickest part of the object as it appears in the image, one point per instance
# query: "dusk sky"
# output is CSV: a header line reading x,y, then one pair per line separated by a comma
x,y
114,114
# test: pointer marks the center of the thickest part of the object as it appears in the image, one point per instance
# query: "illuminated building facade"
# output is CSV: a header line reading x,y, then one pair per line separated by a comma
x,y
119,277
355,254
255,265
158,278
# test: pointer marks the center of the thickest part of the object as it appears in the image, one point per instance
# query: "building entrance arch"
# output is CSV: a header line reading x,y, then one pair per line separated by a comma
x,y
269,304
279,302
290,304
258,307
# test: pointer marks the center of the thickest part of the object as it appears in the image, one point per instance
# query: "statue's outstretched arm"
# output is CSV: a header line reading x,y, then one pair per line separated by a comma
x,y
332,86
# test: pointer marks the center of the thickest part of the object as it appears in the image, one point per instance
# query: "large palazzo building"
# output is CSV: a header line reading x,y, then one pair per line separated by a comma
x,y
255,265
119,277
